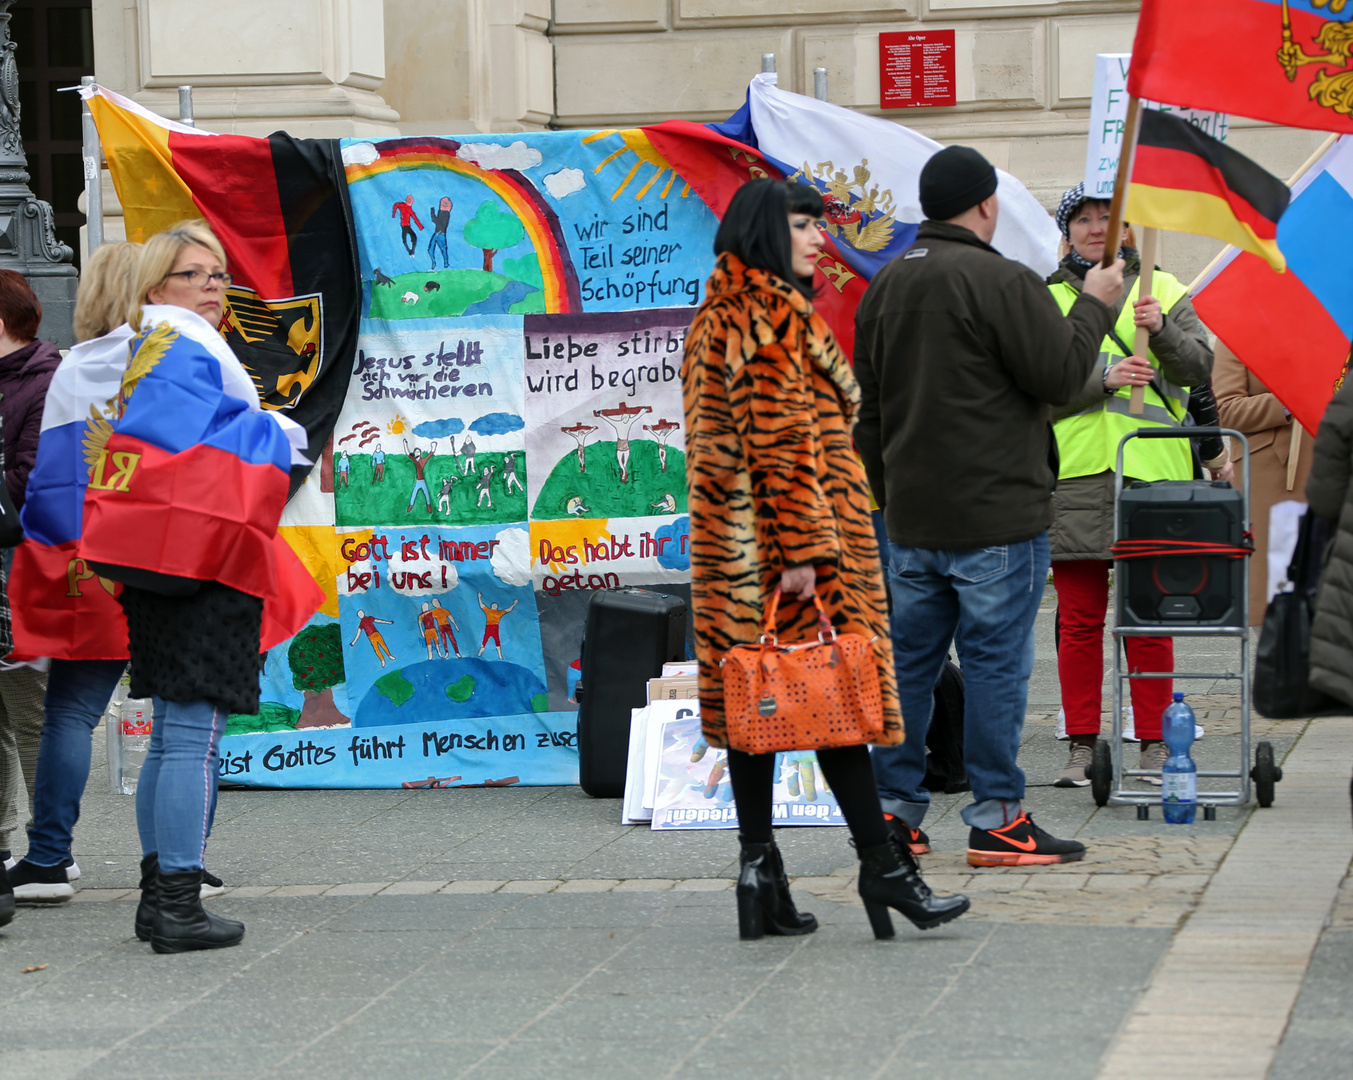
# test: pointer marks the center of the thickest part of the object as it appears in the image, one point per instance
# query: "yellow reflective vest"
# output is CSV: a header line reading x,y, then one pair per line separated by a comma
x,y
1087,442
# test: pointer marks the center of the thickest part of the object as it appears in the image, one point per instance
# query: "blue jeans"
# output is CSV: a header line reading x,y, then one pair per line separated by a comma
x,y
988,597
77,695
176,793
438,241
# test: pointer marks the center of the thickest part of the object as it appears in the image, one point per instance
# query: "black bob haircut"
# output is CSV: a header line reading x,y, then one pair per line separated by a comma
x,y
755,226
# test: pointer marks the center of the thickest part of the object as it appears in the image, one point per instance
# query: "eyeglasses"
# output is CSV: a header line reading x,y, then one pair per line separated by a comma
x,y
199,278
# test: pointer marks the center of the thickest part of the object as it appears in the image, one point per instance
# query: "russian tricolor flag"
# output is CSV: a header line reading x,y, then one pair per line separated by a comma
x,y
1293,330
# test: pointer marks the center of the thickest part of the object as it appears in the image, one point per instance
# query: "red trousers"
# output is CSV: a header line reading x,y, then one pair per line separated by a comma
x,y
1082,600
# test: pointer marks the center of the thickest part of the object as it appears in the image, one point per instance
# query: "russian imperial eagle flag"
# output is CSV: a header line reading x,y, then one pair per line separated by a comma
x,y
59,606
189,476
1288,61
182,475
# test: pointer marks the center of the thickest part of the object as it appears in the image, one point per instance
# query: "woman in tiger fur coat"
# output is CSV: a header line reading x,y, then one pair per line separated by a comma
x,y
778,499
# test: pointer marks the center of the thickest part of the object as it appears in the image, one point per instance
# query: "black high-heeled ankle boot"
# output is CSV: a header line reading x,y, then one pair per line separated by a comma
x,y
145,910
764,903
890,878
182,924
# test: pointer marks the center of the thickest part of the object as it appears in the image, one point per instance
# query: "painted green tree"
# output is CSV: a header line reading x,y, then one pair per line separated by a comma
x,y
492,230
315,657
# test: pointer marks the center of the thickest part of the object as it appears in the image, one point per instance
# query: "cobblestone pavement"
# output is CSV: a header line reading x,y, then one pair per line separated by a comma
x,y
524,933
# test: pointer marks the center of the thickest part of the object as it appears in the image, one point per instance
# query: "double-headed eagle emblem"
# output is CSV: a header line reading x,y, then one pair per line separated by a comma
x,y
146,351
860,215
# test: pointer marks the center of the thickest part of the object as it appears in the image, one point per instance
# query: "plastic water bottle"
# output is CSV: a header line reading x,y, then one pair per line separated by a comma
x,y
135,724
1179,775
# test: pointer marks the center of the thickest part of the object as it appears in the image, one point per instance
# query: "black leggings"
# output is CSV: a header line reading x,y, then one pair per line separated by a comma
x,y
848,771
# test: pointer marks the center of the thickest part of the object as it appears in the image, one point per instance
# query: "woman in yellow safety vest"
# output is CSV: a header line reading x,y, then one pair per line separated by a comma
x,y
1088,431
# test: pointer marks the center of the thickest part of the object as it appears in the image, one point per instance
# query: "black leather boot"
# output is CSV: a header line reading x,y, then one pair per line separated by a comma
x,y
182,924
764,903
145,910
890,878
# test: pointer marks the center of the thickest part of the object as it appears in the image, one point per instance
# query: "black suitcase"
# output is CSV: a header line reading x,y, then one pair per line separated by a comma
x,y
630,634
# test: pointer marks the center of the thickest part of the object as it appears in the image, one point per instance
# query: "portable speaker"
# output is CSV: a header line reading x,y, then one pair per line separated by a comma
x,y
1181,590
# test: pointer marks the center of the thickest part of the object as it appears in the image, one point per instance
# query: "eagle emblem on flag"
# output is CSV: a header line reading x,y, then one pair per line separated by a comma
x,y
1332,89
144,358
860,215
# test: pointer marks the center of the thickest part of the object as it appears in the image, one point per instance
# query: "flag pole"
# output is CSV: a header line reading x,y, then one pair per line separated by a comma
x,y
1306,167
1141,340
1293,452
1112,239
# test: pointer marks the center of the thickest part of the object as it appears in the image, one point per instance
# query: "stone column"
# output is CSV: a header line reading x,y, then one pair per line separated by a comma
x,y
28,243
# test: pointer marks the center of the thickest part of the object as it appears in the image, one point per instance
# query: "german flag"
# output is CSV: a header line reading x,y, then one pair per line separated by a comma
x,y
280,209
1185,180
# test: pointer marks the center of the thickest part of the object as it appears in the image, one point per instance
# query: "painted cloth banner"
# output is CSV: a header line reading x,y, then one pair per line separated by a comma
x,y
511,440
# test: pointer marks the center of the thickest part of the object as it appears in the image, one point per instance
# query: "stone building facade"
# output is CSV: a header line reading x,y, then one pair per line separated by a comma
x,y
1023,74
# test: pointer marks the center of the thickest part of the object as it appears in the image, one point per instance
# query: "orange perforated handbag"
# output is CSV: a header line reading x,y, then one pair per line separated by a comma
x,y
809,696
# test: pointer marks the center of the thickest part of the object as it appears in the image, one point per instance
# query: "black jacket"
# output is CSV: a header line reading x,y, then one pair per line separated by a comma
x,y
961,354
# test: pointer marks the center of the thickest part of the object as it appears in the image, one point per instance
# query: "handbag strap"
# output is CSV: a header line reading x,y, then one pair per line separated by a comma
x,y
826,632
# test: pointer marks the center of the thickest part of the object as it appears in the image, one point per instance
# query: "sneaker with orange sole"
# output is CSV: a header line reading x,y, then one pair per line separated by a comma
x,y
916,840
1021,843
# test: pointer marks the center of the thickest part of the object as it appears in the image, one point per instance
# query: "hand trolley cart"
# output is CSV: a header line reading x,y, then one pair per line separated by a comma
x,y
1180,548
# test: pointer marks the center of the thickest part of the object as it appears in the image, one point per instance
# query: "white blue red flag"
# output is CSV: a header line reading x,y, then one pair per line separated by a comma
x,y
868,171
1293,330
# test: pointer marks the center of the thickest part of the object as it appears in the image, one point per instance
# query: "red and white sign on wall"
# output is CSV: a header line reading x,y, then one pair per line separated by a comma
x,y
916,68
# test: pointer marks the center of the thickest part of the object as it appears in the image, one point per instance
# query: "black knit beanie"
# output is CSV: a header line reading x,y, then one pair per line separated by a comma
x,y
954,180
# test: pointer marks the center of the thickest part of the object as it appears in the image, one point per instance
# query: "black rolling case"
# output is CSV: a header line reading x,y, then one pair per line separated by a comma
x,y
630,634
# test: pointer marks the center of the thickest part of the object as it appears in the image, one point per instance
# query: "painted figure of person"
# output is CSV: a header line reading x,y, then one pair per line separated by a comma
x,y
344,469
444,495
621,420
575,674
467,452
440,218
366,624
493,615
483,485
510,473
377,464
575,507
445,621
404,211
662,431
580,432
420,464
427,624
455,463
665,505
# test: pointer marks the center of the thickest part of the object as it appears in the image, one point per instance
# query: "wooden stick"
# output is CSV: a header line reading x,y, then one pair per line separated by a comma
x,y
1293,452
1141,340
1121,181
1305,168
